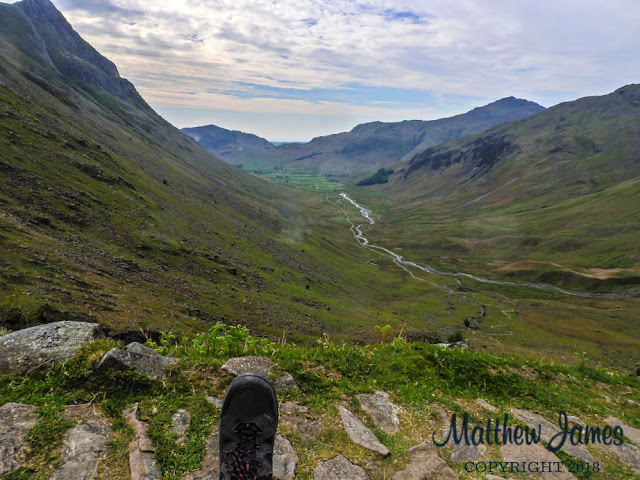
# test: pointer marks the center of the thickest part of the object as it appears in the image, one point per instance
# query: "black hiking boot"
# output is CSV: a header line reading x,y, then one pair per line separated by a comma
x,y
248,423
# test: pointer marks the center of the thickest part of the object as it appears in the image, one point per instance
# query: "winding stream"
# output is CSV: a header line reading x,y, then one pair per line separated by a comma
x,y
399,260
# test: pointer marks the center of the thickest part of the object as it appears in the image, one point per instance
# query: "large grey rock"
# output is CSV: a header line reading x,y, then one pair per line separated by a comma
x,y
84,446
538,454
153,365
211,464
548,430
43,346
425,464
339,468
142,461
382,410
630,432
286,382
239,365
360,433
15,422
180,422
285,459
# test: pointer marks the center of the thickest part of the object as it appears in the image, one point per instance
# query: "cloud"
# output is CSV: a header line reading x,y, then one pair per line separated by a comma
x,y
356,53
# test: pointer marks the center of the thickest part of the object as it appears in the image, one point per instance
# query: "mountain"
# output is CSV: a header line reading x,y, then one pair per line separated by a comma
x,y
228,144
108,212
370,146
552,198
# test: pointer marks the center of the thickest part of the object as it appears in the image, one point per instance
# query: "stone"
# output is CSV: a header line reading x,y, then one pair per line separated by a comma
x,y
84,446
472,323
548,430
153,365
629,454
630,432
215,401
15,422
451,346
383,412
360,433
536,453
339,468
467,453
43,346
306,427
633,402
425,464
576,421
292,408
238,365
142,461
211,464
285,459
486,405
286,382
180,422
136,347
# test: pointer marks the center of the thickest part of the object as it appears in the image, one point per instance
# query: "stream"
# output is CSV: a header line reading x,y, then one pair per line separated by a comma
x,y
399,260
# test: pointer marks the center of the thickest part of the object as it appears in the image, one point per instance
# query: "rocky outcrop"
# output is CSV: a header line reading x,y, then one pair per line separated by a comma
x,y
42,347
15,422
339,468
153,365
239,365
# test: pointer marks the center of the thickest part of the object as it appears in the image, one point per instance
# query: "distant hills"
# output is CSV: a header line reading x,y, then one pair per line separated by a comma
x,y
366,148
551,198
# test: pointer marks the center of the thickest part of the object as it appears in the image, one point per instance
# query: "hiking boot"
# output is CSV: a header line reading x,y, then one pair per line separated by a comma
x,y
248,423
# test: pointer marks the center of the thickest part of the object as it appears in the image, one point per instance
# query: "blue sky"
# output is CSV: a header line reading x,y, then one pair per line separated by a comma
x,y
290,70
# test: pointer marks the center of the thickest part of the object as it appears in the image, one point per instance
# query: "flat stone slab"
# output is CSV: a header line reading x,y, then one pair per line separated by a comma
x,y
43,346
360,433
383,412
425,463
486,405
630,432
286,382
339,468
548,430
153,365
84,446
16,420
238,365
285,459
304,426
536,453
142,461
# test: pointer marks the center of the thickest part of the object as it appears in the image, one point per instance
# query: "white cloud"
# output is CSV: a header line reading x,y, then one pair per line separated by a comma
x,y
175,51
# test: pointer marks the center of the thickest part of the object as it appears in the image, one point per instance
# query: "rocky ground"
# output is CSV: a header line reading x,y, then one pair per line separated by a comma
x,y
87,440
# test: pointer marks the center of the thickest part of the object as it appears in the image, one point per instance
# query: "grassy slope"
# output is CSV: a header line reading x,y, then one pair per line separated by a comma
x,y
417,377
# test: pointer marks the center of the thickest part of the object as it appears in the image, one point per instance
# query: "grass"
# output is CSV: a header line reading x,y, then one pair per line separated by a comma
x,y
417,376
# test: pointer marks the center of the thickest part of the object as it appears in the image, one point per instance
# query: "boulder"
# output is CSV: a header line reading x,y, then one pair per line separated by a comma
x,y
238,365
15,422
339,468
472,323
153,365
136,347
42,347
382,411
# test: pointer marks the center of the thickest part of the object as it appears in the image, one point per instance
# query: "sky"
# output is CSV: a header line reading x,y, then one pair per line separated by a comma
x,y
291,70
